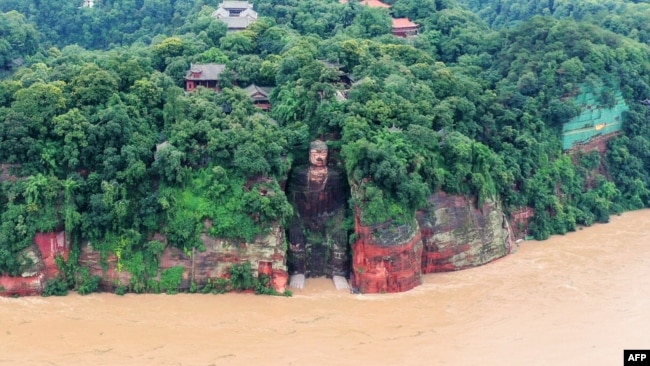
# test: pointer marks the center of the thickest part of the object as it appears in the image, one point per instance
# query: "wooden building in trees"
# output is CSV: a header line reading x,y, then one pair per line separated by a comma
x,y
345,78
236,14
369,3
404,27
260,96
205,75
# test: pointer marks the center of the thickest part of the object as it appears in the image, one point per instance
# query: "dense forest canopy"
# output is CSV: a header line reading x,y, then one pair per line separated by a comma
x,y
108,146
629,18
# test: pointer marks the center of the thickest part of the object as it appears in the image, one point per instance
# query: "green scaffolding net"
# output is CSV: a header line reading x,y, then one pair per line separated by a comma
x,y
596,118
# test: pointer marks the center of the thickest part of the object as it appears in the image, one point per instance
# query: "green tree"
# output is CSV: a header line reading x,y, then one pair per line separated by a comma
x,y
18,39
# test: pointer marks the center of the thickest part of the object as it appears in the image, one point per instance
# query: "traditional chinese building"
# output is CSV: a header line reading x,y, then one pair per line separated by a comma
x,y
260,96
370,3
88,3
236,14
403,27
345,78
205,75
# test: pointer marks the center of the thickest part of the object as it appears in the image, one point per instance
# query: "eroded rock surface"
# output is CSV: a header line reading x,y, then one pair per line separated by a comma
x,y
38,265
386,257
266,255
456,234
452,235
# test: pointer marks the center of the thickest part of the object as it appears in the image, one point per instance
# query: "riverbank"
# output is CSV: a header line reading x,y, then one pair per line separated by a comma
x,y
578,299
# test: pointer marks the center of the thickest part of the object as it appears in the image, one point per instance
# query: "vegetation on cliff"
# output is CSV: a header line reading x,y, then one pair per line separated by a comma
x,y
107,146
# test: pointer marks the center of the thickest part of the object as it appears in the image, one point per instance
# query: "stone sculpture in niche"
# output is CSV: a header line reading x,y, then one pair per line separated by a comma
x,y
317,236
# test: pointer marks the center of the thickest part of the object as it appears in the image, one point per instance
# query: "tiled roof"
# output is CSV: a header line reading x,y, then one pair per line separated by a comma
x,y
403,23
253,89
331,64
207,71
235,5
220,13
250,13
237,22
370,3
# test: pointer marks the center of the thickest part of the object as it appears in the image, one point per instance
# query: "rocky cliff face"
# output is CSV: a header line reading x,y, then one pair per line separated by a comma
x,y
266,255
386,257
453,235
107,269
520,220
457,234
39,265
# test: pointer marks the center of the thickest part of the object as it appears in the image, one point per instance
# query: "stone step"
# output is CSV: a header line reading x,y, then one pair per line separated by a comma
x,y
341,283
297,281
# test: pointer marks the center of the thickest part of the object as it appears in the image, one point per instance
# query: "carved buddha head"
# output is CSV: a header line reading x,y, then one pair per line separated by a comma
x,y
318,153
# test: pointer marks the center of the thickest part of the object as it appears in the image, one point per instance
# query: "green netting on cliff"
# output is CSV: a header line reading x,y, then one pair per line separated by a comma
x,y
596,119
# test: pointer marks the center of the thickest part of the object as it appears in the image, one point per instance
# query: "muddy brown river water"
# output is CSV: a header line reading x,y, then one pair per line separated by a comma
x,y
578,299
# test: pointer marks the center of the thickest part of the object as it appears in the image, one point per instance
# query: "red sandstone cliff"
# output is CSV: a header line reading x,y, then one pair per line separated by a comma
x,y
453,235
42,255
457,234
386,264
520,220
266,255
106,269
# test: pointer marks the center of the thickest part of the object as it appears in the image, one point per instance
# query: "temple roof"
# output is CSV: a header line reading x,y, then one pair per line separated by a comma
x,y
403,23
253,90
237,22
370,3
235,5
205,71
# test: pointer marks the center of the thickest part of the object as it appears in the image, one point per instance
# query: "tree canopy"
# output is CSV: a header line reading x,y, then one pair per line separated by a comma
x,y
112,149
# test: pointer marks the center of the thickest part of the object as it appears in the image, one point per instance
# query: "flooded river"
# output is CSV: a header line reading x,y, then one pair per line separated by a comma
x,y
578,299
